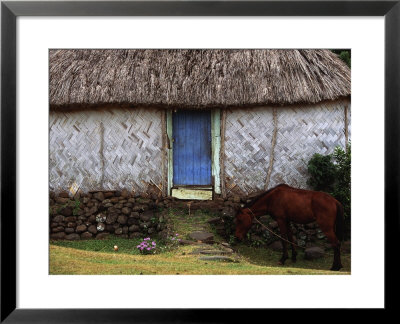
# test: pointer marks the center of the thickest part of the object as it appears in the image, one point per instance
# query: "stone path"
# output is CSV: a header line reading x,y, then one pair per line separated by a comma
x,y
207,250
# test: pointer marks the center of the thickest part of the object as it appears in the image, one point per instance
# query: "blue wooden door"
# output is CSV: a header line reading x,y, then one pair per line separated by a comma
x,y
192,147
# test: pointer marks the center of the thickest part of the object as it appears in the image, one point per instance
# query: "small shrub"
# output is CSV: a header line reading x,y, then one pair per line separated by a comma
x,y
174,240
147,247
170,243
332,174
322,172
342,188
257,243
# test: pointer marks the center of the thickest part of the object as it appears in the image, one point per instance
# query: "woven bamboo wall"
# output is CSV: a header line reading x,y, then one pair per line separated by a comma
x,y
106,150
302,131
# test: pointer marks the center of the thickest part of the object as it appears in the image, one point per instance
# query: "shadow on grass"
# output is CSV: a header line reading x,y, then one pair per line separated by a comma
x,y
267,257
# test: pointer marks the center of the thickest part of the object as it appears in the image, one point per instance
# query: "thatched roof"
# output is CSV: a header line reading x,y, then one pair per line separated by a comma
x,y
196,78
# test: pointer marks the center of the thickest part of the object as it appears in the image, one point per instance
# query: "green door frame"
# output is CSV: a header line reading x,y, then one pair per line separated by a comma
x,y
215,150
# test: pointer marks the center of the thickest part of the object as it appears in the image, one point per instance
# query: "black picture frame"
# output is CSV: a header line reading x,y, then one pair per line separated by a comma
x,y
11,10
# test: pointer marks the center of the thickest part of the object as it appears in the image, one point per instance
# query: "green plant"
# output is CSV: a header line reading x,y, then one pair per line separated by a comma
x,y
170,243
76,207
342,188
174,240
332,174
344,54
322,172
145,247
59,208
257,243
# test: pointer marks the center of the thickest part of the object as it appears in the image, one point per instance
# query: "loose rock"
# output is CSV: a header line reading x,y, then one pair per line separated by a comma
x,y
313,253
57,236
92,229
134,228
135,235
111,218
102,236
86,235
122,219
81,228
276,246
100,227
147,216
58,219
99,196
66,211
72,237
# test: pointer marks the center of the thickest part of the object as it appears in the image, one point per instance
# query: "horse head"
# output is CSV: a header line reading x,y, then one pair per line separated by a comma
x,y
243,222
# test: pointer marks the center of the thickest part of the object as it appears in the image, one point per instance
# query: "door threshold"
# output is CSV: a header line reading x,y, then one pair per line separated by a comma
x,y
192,193
191,187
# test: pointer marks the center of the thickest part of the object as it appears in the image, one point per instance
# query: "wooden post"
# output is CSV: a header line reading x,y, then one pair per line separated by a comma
x,y
216,149
164,152
222,153
101,153
170,145
346,127
272,153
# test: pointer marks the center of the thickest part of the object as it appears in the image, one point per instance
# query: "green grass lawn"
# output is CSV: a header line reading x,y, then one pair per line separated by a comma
x,y
98,256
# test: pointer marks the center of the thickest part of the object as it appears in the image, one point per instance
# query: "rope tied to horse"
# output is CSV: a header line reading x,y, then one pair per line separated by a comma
x,y
272,232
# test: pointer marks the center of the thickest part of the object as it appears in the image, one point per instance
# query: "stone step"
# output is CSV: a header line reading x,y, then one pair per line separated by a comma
x,y
228,250
210,252
194,243
217,258
215,252
204,237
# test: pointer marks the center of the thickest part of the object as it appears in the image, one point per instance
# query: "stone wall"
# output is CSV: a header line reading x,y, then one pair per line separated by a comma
x,y
305,235
98,214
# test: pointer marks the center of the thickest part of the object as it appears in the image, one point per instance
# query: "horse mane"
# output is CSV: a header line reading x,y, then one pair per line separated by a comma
x,y
255,199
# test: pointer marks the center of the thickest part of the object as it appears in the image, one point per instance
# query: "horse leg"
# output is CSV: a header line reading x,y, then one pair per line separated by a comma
x,y
283,232
331,236
291,240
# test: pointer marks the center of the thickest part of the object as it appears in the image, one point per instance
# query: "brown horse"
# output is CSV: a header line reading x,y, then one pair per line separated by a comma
x,y
286,204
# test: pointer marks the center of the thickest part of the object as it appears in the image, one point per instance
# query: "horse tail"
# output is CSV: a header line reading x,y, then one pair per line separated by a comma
x,y
339,231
